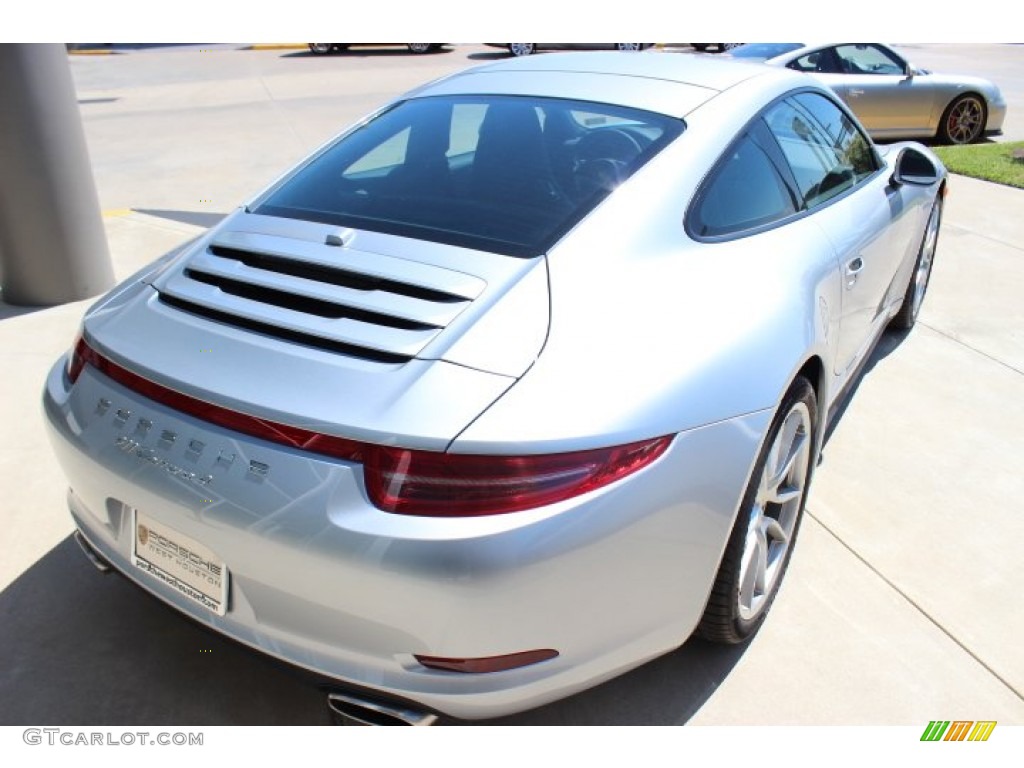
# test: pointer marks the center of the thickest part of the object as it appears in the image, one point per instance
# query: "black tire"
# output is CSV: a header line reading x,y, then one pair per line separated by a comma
x,y
630,46
422,47
964,120
700,47
522,49
320,49
917,286
726,619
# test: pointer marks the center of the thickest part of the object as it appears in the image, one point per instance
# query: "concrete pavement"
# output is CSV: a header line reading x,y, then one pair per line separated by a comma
x,y
902,601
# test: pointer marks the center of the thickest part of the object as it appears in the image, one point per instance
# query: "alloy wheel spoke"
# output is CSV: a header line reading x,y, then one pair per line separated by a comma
x,y
753,571
784,494
773,514
780,457
777,492
775,532
924,268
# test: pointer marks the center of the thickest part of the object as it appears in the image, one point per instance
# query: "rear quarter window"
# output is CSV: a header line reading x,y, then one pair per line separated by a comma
x,y
744,192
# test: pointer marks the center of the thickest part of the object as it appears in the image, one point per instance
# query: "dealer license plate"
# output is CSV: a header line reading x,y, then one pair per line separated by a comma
x,y
181,563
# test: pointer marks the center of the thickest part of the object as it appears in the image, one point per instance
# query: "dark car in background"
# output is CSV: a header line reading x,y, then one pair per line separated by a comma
x,y
525,49
322,49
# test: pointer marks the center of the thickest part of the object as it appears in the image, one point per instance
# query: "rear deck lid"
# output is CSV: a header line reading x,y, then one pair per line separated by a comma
x,y
352,333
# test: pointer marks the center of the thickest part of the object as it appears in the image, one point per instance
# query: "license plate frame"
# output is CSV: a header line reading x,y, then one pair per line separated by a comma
x,y
180,562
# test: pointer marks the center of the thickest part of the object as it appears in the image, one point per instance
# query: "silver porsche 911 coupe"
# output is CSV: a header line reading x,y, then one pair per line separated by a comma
x,y
511,387
890,96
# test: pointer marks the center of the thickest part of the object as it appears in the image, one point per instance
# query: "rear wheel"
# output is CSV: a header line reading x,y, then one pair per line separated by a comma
x,y
762,539
321,49
918,286
521,49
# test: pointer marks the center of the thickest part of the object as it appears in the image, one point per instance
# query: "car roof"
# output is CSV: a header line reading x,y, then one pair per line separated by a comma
x,y
669,83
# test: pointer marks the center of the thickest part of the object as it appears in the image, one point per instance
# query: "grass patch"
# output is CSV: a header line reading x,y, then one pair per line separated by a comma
x,y
989,162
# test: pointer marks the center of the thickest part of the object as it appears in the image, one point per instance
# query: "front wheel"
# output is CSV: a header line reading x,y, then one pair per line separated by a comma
x,y
963,121
762,538
321,49
918,286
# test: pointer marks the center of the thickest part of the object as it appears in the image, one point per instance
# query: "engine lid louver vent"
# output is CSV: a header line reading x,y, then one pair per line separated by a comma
x,y
343,300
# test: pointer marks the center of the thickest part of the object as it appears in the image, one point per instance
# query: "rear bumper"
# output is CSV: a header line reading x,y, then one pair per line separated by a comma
x,y
321,579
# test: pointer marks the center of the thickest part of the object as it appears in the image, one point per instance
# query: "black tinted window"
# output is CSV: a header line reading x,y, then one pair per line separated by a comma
x,y
824,148
745,191
763,50
823,60
504,174
866,59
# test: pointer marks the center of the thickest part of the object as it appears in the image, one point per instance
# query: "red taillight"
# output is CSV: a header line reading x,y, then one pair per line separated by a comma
x,y
488,663
461,485
411,482
80,355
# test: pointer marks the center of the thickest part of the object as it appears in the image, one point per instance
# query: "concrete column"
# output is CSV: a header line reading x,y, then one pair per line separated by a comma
x,y
53,248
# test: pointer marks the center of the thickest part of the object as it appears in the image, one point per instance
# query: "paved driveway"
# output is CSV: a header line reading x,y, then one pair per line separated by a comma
x,y
901,601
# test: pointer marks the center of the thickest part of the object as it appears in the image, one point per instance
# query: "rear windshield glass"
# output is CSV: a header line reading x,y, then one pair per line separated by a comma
x,y
502,174
763,50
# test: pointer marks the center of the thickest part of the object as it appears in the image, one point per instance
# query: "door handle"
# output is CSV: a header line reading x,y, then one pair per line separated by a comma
x,y
853,269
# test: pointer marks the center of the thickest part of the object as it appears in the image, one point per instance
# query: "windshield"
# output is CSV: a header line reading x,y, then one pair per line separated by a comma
x,y
497,173
763,50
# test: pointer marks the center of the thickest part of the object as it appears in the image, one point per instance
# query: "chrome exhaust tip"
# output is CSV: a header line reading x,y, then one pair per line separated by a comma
x,y
94,557
351,710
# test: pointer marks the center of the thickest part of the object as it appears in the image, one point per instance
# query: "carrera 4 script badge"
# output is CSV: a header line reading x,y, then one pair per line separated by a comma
x,y
133,444
128,445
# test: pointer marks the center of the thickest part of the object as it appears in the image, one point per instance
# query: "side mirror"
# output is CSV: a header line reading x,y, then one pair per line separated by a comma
x,y
914,167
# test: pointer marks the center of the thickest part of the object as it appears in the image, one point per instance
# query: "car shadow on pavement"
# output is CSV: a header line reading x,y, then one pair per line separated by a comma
x,y
365,53
489,55
85,649
888,343
666,691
